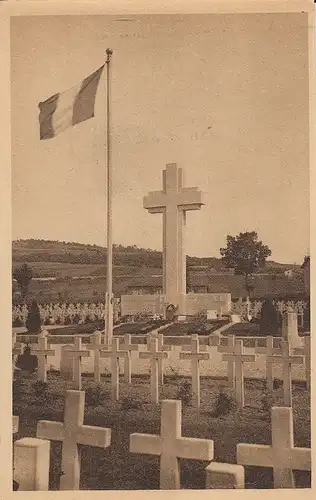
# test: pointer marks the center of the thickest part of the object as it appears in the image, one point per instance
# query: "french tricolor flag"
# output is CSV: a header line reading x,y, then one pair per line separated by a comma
x,y
68,108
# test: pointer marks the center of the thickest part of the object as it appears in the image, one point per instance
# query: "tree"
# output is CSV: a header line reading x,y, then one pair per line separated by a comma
x,y
246,255
23,275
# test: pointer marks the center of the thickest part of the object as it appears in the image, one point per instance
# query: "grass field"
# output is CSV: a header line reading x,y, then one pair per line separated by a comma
x,y
118,469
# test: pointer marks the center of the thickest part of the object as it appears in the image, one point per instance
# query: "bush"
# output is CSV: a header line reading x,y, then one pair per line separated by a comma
x,y
277,384
184,393
129,403
95,395
17,322
40,388
224,404
67,320
33,322
18,389
266,401
76,319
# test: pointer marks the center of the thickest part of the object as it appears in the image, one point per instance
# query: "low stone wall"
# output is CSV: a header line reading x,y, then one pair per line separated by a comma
x,y
174,366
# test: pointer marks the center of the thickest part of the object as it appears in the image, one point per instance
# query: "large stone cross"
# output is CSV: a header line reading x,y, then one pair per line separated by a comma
x,y
173,201
171,446
73,432
282,455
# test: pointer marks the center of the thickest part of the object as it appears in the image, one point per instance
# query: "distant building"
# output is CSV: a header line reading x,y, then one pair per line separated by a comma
x,y
264,285
306,273
145,285
288,273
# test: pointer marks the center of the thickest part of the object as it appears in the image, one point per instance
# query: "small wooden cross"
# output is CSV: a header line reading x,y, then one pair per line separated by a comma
x,y
41,351
229,349
171,446
73,432
282,456
195,356
239,358
306,352
154,354
270,351
287,362
77,353
128,346
115,354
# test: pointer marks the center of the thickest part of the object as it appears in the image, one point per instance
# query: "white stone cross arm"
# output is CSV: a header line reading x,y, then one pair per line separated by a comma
x,y
281,455
171,446
73,432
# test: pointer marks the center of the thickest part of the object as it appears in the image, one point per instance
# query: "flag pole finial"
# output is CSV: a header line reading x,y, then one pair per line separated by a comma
x,y
109,52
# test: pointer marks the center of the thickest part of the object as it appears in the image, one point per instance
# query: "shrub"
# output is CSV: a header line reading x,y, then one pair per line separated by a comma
x,y
224,404
95,395
18,389
33,322
17,322
67,320
266,401
277,384
184,392
40,388
129,403
76,319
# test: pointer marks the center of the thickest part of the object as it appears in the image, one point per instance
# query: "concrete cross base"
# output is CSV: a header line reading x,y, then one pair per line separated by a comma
x,y
224,476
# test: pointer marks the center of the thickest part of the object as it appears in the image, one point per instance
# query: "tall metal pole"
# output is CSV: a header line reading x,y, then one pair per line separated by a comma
x,y
108,333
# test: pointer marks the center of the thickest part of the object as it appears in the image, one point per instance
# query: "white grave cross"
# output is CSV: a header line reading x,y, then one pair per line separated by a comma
x,y
128,346
154,355
282,455
41,351
173,201
77,353
287,362
171,446
115,354
73,432
269,350
195,356
96,346
161,347
306,352
229,349
239,358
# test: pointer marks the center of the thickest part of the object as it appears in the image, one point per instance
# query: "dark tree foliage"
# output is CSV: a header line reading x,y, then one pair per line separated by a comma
x,y
245,254
23,276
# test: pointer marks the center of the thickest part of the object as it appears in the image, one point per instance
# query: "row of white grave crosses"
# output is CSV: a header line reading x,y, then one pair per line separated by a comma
x,y
31,455
157,352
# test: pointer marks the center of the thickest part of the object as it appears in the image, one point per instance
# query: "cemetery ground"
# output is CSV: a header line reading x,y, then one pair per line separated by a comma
x,y
115,468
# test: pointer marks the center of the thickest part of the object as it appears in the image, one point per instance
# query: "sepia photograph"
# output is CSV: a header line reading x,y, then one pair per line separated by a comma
x,y
160,205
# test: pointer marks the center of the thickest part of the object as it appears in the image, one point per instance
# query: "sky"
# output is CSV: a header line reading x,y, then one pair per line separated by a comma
x,y
225,96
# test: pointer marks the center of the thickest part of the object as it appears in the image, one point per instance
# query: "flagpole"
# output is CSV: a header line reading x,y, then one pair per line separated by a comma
x,y
108,332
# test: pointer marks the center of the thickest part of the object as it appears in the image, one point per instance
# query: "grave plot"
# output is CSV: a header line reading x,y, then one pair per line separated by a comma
x,y
115,467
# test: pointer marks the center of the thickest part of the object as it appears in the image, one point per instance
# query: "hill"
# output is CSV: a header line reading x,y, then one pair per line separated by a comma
x,y
62,259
